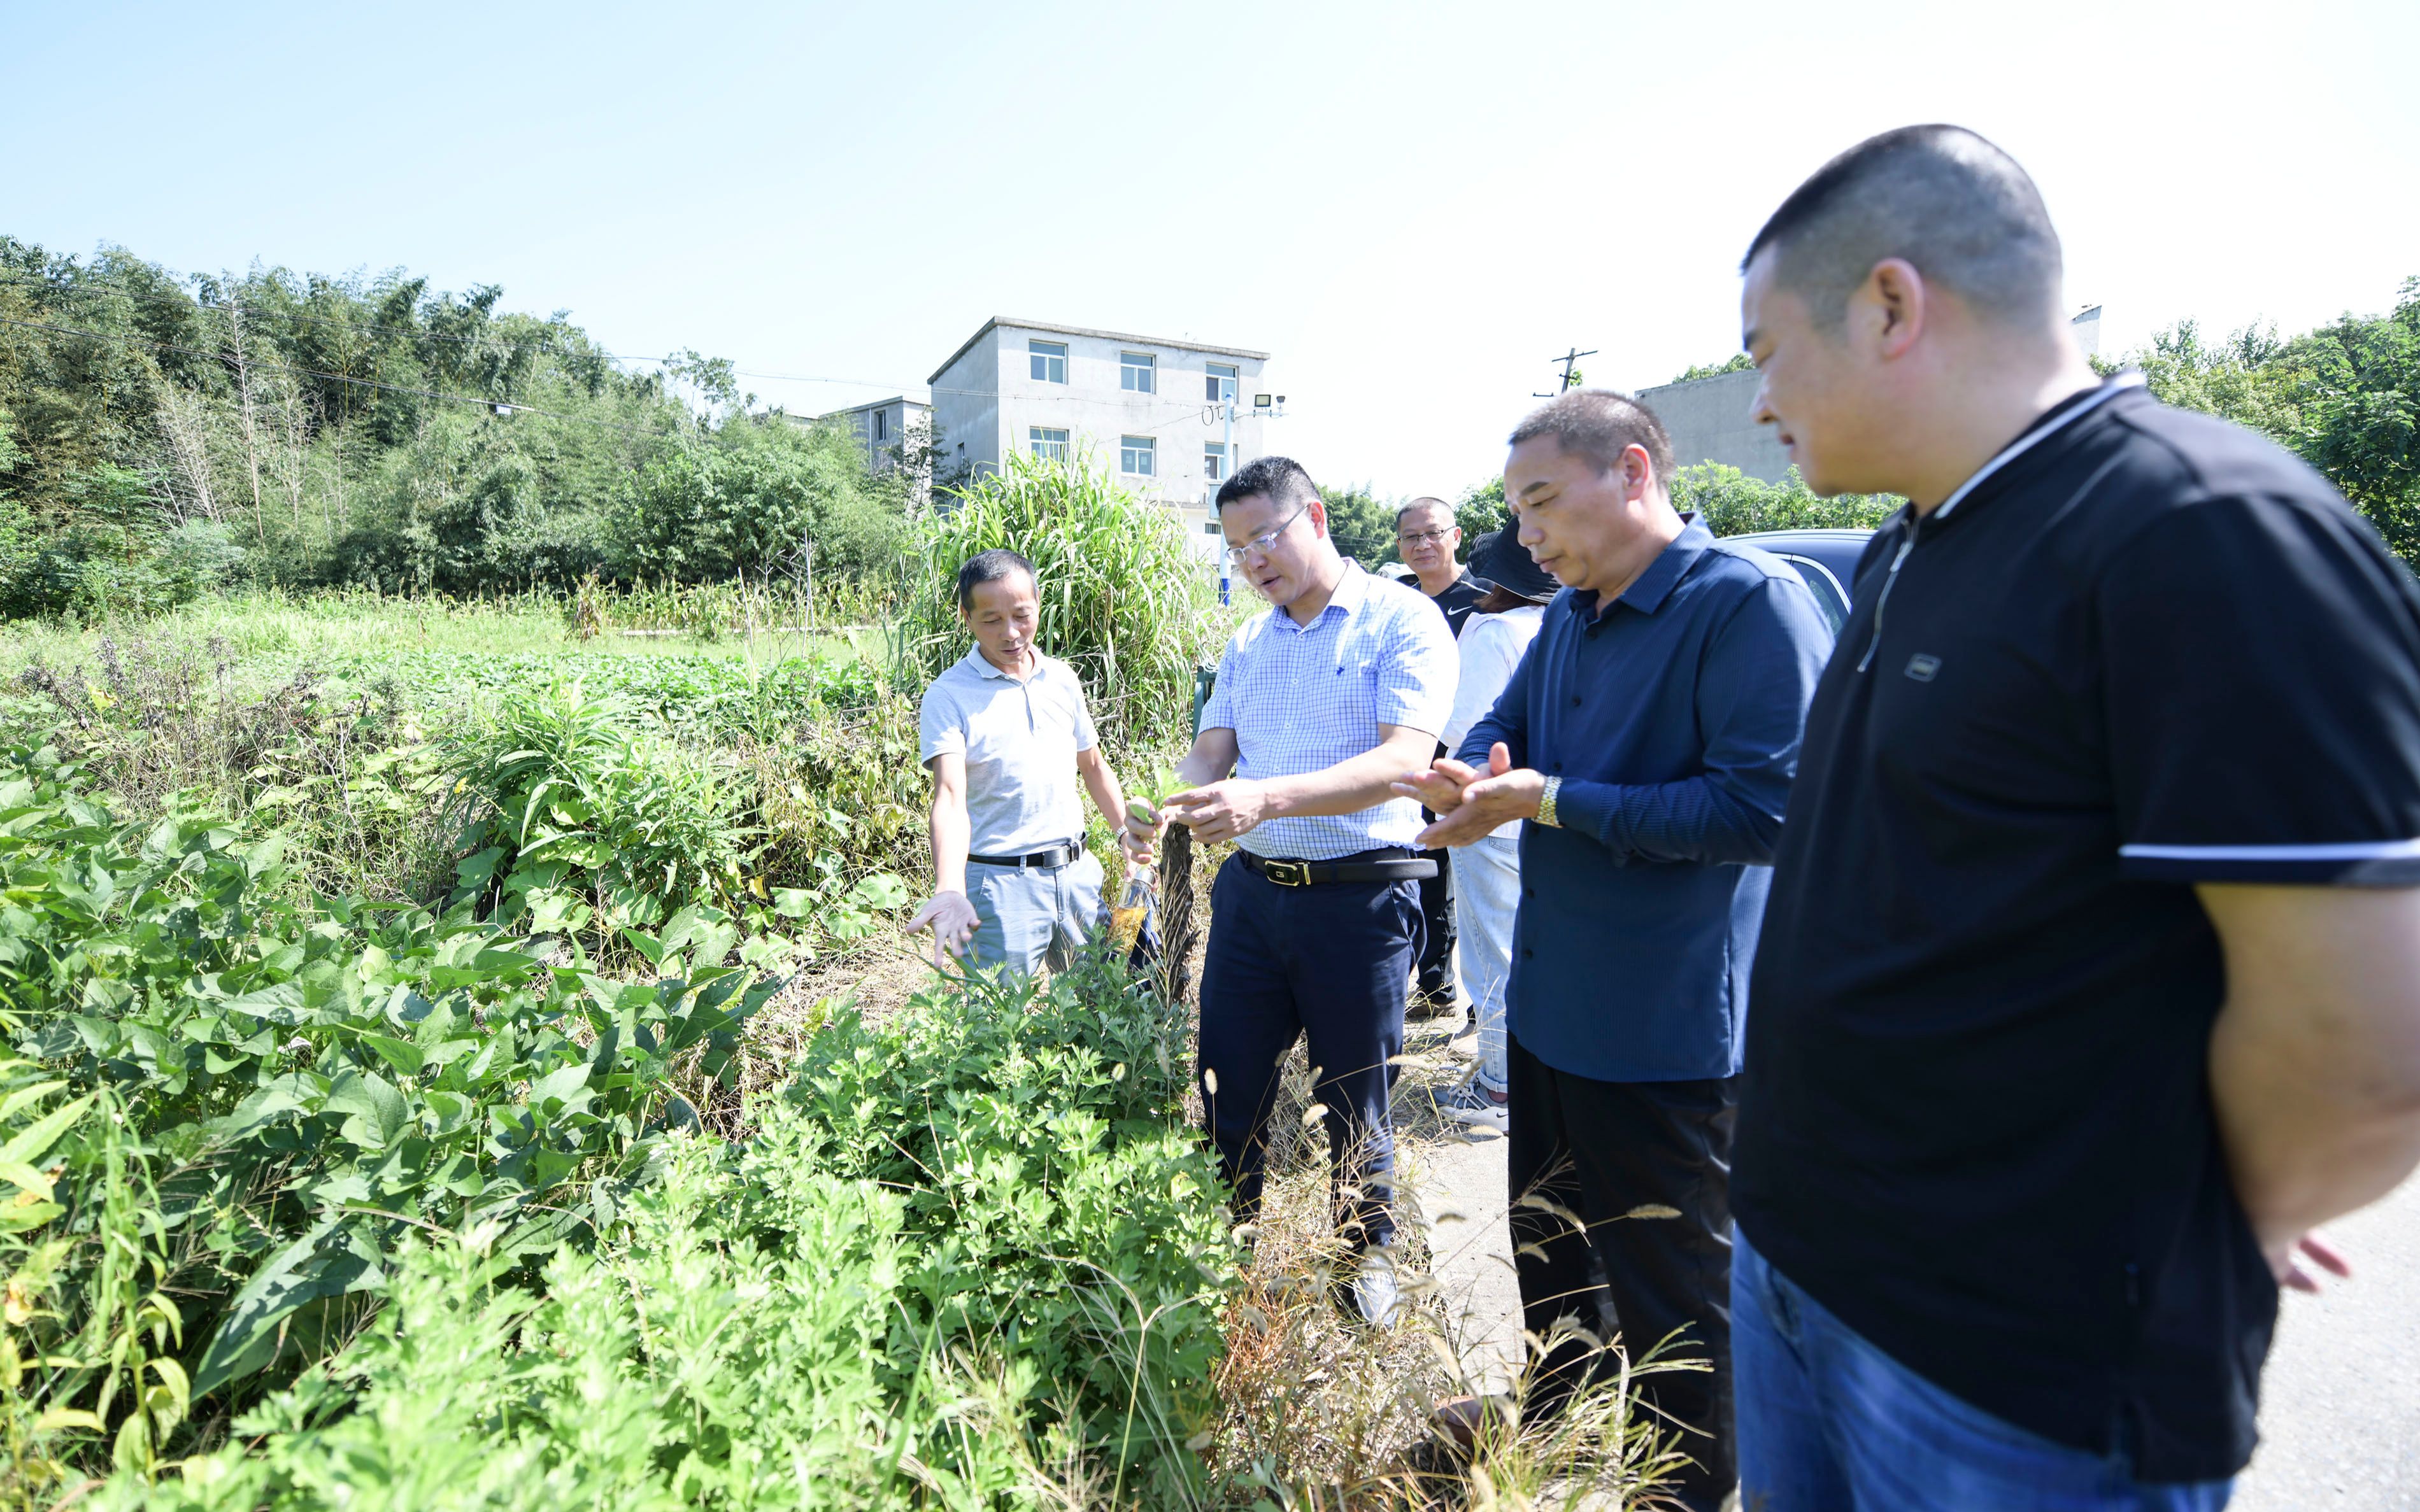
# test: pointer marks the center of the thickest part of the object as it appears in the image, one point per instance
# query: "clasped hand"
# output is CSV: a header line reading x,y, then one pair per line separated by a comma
x,y
1471,804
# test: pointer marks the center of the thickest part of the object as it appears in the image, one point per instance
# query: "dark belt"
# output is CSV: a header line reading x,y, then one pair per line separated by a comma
x,y
1370,866
1049,860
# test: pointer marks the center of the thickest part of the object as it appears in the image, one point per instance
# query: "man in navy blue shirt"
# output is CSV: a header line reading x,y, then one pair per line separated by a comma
x,y
1648,737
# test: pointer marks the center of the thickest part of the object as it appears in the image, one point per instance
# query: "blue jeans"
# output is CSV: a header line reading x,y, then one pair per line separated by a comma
x,y
1486,892
1828,1423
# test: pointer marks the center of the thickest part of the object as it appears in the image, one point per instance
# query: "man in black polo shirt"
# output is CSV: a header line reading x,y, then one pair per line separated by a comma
x,y
2090,978
1427,538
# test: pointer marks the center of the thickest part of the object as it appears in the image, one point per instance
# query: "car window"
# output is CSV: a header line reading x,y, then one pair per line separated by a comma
x,y
1825,588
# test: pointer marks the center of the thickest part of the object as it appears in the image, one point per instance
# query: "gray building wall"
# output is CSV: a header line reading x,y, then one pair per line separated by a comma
x,y
1708,420
881,426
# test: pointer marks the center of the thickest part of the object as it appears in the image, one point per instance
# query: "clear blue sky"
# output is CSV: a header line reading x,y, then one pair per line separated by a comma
x,y
1411,205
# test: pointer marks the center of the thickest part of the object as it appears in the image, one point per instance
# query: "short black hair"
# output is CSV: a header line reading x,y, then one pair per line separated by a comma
x,y
1600,424
991,566
1280,480
1948,201
1424,498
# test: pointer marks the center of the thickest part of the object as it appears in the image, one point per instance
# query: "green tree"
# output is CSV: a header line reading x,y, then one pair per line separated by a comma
x,y
2345,398
1736,362
759,497
1480,511
1361,523
1733,503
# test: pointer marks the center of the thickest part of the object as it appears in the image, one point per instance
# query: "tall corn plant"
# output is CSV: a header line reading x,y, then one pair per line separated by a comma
x,y
1125,599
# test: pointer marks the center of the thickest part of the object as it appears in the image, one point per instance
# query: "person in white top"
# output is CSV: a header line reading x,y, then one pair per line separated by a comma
x,y
1011,747
1492,642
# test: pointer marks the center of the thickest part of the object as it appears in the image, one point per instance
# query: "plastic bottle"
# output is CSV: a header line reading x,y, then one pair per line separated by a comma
x,y
1132,907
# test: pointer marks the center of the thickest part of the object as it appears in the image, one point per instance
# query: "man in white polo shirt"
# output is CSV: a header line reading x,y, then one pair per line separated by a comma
x,y
1006,736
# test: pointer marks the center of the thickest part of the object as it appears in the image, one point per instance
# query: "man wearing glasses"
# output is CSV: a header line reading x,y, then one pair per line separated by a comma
x,y
1315,923
1428,540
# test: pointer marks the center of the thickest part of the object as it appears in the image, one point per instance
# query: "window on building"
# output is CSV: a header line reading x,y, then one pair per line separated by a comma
x,y
1135,371
1138,454
882,424
1220,382
1048,360
1047,443
1214,461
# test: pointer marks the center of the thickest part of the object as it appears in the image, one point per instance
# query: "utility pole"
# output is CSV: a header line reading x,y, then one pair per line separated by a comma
x,y
1263,407
1571,372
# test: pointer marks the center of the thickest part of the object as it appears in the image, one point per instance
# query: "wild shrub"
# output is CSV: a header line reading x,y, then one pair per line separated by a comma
x,y
223,1109
761,497
967,1261
583,820
161,723
1124,598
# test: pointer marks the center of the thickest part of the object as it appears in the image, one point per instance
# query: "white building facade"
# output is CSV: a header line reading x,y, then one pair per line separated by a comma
x,y
881,427
1169,419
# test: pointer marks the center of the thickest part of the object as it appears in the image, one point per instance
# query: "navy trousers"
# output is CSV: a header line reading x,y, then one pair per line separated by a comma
x,y
1329,962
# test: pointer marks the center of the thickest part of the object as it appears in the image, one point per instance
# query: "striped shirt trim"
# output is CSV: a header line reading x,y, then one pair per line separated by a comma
x,y
2360,850
2365,863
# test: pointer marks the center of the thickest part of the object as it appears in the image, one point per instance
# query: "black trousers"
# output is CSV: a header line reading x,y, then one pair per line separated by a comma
x,y
1436,977
1600,1150
1324,962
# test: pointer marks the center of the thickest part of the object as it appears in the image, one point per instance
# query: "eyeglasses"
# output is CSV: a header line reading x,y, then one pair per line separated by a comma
x,y
1266,541
1424,537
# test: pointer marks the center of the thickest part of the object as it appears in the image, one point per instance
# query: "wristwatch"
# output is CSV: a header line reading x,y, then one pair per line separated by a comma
x,y
1546,803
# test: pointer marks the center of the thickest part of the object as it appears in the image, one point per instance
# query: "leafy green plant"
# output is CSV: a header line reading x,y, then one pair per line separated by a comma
x,y
226,1107
579,814
969,1260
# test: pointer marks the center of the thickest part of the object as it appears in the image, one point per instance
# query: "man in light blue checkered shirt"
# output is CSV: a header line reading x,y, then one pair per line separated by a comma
x,y
1321,703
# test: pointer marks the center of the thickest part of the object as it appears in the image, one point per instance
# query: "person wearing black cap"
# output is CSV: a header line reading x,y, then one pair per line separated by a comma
x,y
1487,883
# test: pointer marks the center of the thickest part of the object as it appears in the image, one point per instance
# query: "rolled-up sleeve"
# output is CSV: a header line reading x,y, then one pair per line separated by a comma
x,y
1758,678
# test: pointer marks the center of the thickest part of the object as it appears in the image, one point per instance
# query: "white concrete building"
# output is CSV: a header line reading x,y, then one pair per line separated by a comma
x,y
881,426
1147,409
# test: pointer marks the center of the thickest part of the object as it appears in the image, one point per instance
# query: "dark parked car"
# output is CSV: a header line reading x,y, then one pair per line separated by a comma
x,y
1826,559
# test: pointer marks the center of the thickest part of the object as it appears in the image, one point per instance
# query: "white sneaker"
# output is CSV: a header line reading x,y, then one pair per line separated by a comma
x,y
1377,1299
1471,1104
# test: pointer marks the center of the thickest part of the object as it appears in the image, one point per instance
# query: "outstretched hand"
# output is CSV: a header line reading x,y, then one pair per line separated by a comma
x,y
953,921
1219,811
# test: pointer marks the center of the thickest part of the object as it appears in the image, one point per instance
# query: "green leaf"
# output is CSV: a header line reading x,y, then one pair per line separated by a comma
x,y
569,1086
305,1270
34,1141
402,1054
379,1112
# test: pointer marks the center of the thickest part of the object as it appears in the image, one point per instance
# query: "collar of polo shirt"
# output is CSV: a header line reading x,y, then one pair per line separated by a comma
x,y
982,664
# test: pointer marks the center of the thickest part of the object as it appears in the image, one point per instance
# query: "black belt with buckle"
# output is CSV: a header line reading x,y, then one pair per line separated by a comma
x,y
1049,860
1370,866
